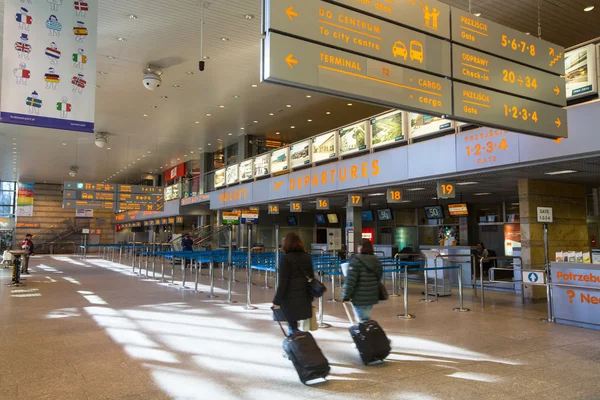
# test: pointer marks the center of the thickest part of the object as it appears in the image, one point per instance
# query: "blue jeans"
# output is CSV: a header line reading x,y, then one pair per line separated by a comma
x,y
362,312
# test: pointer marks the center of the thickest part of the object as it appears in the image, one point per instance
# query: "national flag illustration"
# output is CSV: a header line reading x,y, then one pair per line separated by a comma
x,y
80,30
37,103
53,53
25,73
79,58
63,107
81,6
79,82
52,78
23,47
24,18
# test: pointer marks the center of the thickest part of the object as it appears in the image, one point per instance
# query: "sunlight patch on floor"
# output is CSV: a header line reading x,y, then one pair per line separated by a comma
x,y
472,376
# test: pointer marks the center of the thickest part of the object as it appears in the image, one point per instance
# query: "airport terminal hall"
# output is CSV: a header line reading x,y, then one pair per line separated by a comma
x,y
300,199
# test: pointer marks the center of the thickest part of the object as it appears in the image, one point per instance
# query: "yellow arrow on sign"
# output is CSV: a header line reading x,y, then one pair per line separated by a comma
x,y
291,13
557,90
278,185
558,122
291,61
551,51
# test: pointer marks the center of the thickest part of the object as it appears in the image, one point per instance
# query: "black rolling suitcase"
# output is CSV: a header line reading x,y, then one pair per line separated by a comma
x,y
370,339
307,357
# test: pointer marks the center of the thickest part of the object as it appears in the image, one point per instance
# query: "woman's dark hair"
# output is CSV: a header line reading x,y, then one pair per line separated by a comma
x,y
366,247
292,243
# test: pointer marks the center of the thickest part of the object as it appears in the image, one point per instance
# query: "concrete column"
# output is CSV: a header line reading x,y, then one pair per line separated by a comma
x,y
354,224
569,232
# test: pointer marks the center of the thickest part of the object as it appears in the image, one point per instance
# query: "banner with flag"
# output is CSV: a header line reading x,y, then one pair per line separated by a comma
x,y
25,200
44,41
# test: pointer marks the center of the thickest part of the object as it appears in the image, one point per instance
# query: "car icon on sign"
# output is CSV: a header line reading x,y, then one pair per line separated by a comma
x,y
399,50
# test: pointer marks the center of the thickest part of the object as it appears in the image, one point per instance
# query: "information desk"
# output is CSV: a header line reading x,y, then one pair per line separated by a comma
x,y
454,255
576,294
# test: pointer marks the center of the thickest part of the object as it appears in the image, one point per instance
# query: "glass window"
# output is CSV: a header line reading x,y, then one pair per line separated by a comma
x,y
7,198
10,186
6,210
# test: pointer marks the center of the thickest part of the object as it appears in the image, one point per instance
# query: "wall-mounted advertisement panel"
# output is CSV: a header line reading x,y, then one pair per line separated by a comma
x,y
220,178
300,154
423,125
171,192
261,165
246,170
280,160
387,129
353,139
582,77
324,147
232,174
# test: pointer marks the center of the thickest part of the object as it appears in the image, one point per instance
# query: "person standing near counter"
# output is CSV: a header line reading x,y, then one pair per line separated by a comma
x,y
26,245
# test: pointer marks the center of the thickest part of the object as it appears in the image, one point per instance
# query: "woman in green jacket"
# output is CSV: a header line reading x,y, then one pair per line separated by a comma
x,y
362,283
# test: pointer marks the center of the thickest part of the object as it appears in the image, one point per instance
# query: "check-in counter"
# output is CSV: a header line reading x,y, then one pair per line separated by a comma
x,y
454,255
385,250
576,294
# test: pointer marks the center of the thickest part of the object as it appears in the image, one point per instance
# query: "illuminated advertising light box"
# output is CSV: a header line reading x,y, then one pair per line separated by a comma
x,y
458,210
220,178
387,129
232,174
280,160
324,147
246,170
169,193
353,139
300,154
423,125
581,75
261,166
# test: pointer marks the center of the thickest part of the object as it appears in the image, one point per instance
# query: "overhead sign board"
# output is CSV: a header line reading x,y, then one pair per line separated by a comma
x,y
231,218
89,204
431,16
472,66
353,31
355,200
273,209
295,206
393,196
98,187
446,190
141,198
505,42
89,195
544,215
307,65
249,217
322,203
140,207
487,107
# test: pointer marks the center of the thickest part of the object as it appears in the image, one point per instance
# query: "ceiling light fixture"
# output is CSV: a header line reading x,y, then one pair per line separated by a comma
x,y
482,194
133,16
191,152
271,114
108,148
190,73
309,120
64,144
155,107
477,14
288,105
254,85
121,39
145,115
563,172
376,194
110,57
588,8
349,104
176,86
197,122
164,97
308,96
242,128
210,144
206,57
103,72
224,39
230,134
292,127
221,106
328,112
249,16
209,115
467,183
415,189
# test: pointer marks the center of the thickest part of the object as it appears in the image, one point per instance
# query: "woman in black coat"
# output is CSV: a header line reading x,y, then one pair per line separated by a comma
x,y
294,271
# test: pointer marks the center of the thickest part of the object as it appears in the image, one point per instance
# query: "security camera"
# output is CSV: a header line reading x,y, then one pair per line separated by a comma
x,y
152,79
101,140
73,172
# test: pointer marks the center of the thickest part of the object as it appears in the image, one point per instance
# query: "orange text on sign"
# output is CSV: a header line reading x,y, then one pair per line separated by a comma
x,y
342,174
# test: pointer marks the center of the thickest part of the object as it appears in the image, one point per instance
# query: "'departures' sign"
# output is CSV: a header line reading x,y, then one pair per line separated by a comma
x,y
49,64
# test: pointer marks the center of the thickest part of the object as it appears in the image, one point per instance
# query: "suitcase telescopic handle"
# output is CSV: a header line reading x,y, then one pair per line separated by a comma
x,y
345,304
279,322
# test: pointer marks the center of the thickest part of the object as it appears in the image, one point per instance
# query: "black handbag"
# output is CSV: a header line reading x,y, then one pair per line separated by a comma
x,y
315,287
383,293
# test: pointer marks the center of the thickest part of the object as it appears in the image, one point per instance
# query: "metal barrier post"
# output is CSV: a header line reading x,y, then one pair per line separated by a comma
x,y
321,325
162,269
548,277
197,277
333,299
435,279
460,293
406,315
394,276
249,305
120,253
84,246
147,260
212,280
276,256
426,299
173,271
133,254
481,281
183,274
222,271
230,266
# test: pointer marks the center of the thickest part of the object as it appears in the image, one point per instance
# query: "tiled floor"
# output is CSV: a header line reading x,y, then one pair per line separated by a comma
x,y
90,330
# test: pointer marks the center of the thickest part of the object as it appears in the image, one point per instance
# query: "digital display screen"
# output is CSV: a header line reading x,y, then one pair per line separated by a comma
x,y
458,210
367,216
292,221
434,212
320,218
333,219
385,214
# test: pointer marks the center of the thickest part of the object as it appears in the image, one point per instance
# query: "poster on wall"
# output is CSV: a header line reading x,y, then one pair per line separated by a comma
x,y
25,200
232,174
387,129
84,213
581,74
49,64
261,165
324,147
246,170
353,139
512,238
422,125
280,160
300,154
220,178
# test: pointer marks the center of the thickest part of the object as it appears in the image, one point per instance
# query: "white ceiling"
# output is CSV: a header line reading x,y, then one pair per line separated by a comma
x,y
167,34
